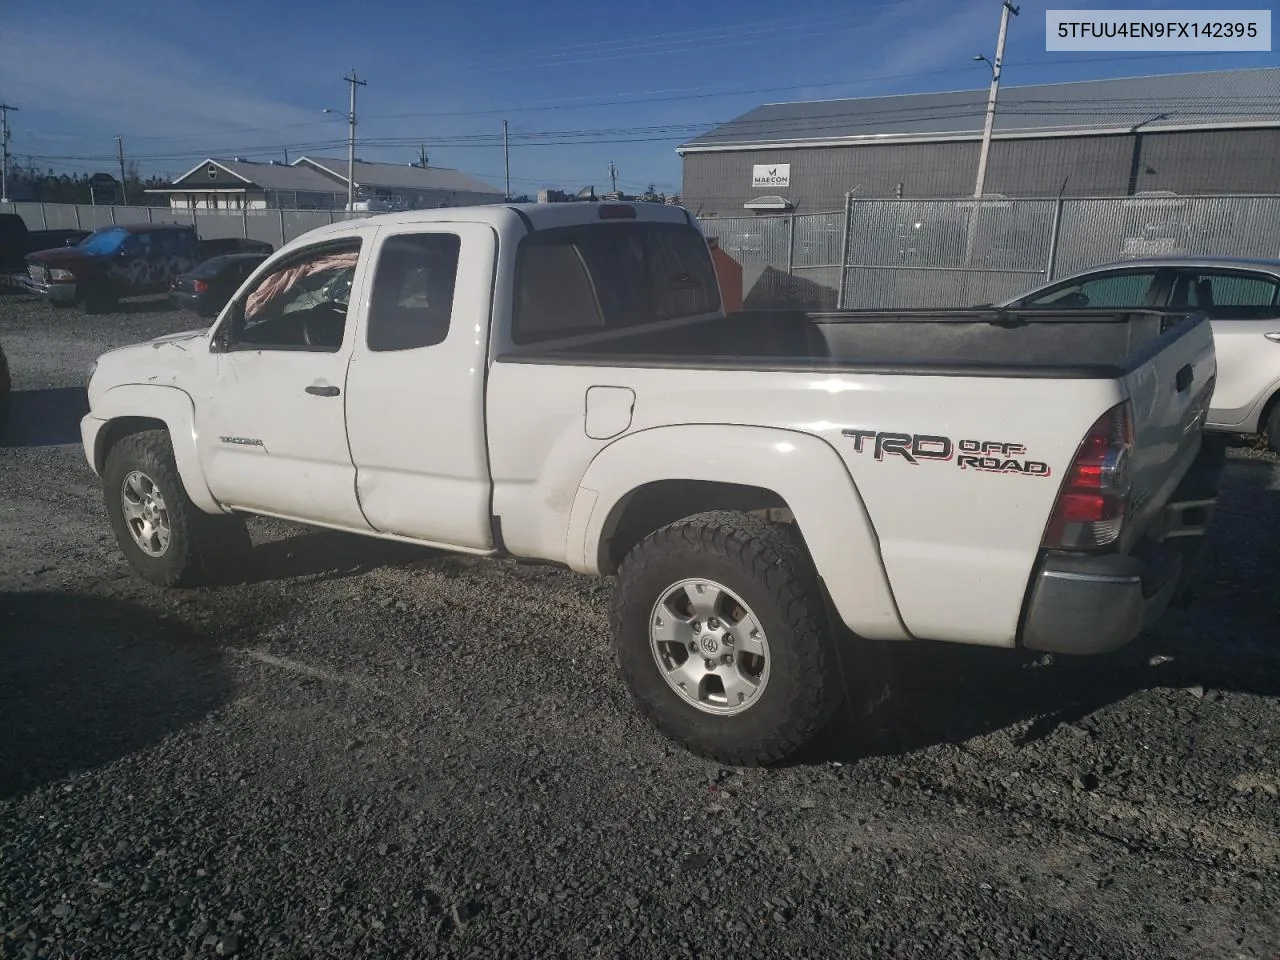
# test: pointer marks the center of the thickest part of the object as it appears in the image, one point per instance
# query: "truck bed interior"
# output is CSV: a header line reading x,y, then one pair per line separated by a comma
x,y
1083,343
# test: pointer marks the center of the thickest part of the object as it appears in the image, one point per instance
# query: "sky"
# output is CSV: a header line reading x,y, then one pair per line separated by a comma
x,y
580,84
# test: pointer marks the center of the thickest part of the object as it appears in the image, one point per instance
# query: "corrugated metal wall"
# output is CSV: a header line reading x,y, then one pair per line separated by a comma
x,y
1235,161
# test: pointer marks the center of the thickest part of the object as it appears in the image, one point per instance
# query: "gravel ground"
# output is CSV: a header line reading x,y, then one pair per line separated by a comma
x,y
378,751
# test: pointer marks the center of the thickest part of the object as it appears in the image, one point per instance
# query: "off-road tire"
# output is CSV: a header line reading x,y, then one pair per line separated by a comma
x,y
766,565
203,548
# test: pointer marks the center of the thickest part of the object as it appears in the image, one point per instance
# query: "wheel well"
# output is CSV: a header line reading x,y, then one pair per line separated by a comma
x,y
654,505
1266,413
117,430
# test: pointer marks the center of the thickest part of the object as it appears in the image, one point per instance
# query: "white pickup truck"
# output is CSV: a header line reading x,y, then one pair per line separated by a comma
x,y
771,490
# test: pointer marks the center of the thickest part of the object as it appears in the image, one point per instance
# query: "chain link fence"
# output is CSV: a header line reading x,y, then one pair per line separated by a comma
x,y
885,254
897,254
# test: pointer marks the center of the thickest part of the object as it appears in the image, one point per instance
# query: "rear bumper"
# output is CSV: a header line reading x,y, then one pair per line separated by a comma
x,y
1090,604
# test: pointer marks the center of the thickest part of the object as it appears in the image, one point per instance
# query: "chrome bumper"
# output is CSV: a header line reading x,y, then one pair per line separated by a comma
x,y
59,292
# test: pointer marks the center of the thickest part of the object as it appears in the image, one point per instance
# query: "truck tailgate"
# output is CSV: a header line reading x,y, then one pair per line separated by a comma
x,y
1170,389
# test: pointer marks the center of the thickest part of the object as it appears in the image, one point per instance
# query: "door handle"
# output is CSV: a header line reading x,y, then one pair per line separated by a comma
x,y
324,391
1184,377
1273,337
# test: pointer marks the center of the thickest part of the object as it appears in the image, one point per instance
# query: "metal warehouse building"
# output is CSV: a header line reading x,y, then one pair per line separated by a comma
x,y
1191,133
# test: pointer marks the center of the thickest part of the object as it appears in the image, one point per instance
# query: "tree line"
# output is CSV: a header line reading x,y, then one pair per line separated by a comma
x,y
29,182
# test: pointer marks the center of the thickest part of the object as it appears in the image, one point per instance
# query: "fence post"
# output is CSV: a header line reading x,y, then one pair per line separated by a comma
x,y
151,216
112,208
44,218
791,244
1055,230
283,241
844,249
76,208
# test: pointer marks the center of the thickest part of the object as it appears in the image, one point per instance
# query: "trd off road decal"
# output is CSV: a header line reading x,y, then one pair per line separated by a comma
x,y
990,456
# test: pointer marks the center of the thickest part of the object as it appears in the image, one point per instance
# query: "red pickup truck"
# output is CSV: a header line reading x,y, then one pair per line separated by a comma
x,y
124,261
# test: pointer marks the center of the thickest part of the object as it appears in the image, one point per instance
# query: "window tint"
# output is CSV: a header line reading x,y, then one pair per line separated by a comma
x,y
584,279
302,303
1109,291
1209,289
412,300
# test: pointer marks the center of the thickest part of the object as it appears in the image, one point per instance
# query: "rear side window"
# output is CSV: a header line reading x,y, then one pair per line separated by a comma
x,y
584,279
412,301
1209,289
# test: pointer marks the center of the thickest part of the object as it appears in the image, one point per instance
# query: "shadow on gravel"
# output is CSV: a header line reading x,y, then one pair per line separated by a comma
x,y
329,555
88,680
43,418
1227,641
159,304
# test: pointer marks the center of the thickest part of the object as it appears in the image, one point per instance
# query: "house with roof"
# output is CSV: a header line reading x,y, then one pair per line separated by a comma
x,y
320,183
1207,132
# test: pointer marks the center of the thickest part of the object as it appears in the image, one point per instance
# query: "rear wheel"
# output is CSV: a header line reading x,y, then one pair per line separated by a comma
x,y
723,638
1273,429
165,537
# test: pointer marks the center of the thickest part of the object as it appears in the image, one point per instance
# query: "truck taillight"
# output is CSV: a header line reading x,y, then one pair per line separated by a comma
x,y
199,286
1095,493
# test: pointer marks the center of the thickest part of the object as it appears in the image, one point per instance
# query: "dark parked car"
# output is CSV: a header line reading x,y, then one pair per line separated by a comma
x,y
210,285
125,261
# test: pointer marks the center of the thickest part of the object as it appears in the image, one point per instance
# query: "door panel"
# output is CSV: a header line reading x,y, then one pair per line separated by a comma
x,y
272,415
415,386
1245,307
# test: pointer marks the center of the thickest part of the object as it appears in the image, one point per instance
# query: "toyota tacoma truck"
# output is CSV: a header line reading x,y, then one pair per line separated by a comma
x,y
124,261
772,491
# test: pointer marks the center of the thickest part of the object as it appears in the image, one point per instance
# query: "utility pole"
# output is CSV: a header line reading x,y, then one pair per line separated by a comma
x,y
984,154
124,190
422,155
506,157
351,142
286,156
4,150
1006,9
613,176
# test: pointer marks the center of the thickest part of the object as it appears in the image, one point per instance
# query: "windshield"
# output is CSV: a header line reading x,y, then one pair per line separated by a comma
x,y
103,243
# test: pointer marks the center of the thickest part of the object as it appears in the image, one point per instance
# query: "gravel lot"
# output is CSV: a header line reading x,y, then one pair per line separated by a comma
x,y
378,751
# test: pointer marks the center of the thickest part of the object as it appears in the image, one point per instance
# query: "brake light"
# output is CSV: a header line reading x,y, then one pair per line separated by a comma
x,y
617,211
1095,494
199,286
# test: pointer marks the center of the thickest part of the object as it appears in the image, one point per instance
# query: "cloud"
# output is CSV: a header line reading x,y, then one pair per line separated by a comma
x,y
105,79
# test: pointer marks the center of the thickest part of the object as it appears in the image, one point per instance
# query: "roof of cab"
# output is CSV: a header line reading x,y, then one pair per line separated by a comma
x,y
521,216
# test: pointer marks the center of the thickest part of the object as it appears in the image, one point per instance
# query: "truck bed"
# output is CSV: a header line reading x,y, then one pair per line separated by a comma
x,y
1103,344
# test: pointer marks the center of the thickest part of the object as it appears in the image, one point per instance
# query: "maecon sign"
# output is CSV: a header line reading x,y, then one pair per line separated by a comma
x,y
771,175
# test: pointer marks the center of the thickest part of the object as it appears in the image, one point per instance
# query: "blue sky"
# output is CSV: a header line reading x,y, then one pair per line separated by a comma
x,y
180,80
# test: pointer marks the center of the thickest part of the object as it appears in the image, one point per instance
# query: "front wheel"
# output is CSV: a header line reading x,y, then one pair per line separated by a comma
x,y
723,638
165,537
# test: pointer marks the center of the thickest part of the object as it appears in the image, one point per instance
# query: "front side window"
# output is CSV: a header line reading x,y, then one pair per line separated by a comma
x,y
412,300
1111,291
301,304
584,279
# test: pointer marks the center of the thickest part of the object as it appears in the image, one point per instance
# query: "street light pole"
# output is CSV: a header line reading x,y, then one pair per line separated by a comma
x,y
1006,9
351,140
